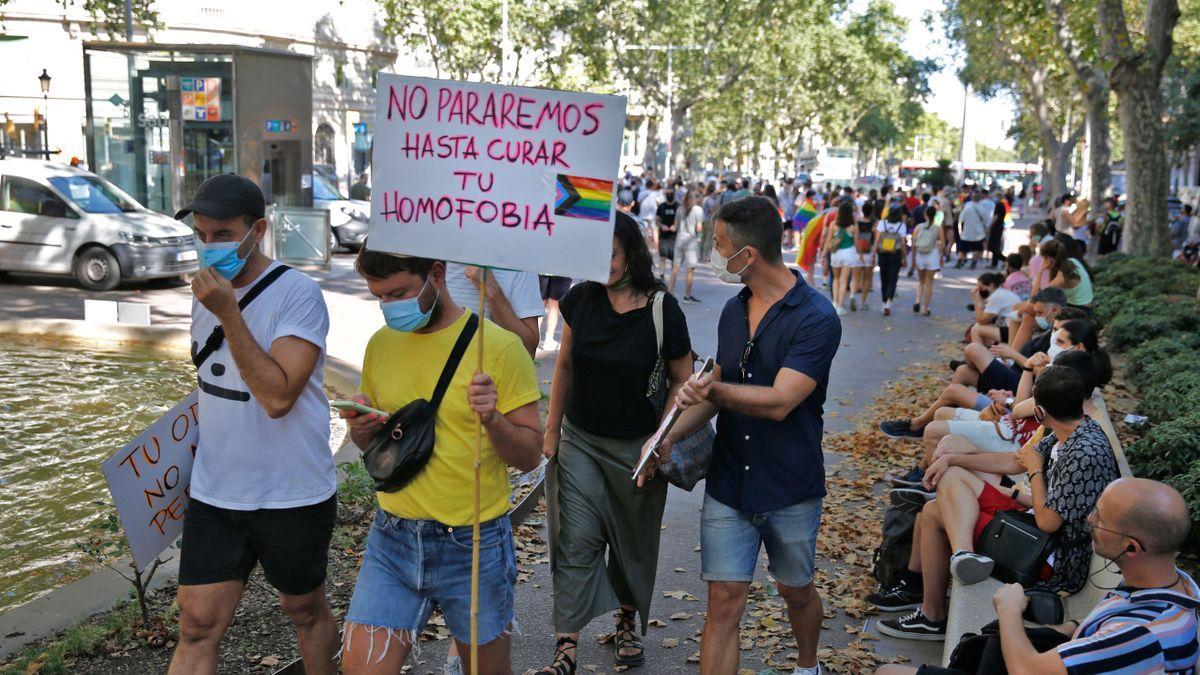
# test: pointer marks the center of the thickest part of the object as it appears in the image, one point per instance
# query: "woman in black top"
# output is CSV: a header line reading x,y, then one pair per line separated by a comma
x,y
996,232
604,530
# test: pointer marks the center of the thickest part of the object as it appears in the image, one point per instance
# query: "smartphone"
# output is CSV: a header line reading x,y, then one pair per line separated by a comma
x,y
358,408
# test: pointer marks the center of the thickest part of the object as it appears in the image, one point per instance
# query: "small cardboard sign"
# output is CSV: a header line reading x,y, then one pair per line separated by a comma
x,y
149,479
506,177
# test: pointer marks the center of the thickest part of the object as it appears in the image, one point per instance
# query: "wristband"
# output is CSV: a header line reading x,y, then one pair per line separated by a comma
x,y
1039,471
1027,369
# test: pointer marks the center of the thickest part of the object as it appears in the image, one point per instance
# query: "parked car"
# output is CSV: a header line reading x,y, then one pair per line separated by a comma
x,y
348,218
58,219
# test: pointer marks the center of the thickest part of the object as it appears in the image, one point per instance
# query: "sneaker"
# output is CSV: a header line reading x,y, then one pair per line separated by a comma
x,y
815,670
970,568
955,363
853,305
841,311
910,479
911,498
970,307
914,626
866,305
973,263
549,345
898,598
903,483
916,307
887,311
690,300
959,265
911,272
899,429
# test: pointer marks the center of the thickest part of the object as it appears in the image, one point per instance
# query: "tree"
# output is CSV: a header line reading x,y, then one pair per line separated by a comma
x,y
461,38
1080,49
1026,63
1136,76
1181,86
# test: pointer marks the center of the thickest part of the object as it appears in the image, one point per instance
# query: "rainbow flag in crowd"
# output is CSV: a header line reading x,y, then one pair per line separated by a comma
x,y
804,213
587,198
810,241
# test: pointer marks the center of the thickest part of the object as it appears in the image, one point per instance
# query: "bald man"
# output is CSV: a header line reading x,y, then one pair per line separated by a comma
x,y
1146,625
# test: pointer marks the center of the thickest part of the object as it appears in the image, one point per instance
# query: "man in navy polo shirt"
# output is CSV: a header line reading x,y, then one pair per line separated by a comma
x,y
775,342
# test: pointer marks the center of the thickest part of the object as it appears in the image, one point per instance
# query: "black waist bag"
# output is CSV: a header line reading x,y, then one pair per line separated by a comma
x,y
405,443
1018,546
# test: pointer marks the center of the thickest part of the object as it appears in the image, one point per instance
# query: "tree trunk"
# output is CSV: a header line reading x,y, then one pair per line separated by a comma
x,y
1100,155
1146,172
679,136
650,156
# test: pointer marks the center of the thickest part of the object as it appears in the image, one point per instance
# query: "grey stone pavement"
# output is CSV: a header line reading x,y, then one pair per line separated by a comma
x,y
873,350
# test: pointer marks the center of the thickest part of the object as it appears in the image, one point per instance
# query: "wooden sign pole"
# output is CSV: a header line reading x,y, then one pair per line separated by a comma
x,y
483,279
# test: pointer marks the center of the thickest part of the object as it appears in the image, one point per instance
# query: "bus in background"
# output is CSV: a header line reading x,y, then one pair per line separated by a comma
x,y
1002,175
912,171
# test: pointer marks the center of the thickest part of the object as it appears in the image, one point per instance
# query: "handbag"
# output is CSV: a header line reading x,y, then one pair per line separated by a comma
x,y
690,455
1019,548
398,452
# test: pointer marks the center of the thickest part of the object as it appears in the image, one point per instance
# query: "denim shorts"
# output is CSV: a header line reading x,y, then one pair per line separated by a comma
x,y
411,566
730,539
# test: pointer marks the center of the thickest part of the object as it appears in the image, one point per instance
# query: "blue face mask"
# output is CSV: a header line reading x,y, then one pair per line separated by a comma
x,y
406,315
1043,322
223,256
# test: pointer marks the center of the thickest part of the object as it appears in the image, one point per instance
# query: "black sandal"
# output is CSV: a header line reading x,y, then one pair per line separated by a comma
x,y
626,638
563,664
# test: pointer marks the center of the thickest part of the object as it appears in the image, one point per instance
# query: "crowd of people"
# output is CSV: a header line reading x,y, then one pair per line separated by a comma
x,y
264,488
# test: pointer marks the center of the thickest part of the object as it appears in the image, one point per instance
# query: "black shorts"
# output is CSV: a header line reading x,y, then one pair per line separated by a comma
x,y
554,288
1003,326
965,246
666,247
999,375
224,545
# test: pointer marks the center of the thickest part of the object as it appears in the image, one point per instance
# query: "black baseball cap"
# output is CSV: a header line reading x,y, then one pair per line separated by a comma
x,y
225,196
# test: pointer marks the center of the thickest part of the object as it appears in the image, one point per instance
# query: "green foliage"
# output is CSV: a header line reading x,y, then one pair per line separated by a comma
x,y
942,176
1168,449
356,492
1145,276
1139,320
1174,395
1153,361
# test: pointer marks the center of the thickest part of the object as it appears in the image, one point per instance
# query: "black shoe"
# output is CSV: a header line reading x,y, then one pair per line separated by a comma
x,y
959,265
973,263
955,363
902,483
912,272
970,307
911,498
970,568
916,307
690,300
899,429
898,598
914,626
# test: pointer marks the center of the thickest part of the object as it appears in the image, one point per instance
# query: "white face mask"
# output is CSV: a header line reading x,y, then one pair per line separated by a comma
x,y
1054,349
719,264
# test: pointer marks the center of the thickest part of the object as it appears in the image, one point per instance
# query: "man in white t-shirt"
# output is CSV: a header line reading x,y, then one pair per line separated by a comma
x,y
975,219
263,487
995,308
514,299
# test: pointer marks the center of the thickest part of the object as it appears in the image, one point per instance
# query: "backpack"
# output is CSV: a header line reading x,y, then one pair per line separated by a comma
x,y
891,241
862,239
925,238
891,557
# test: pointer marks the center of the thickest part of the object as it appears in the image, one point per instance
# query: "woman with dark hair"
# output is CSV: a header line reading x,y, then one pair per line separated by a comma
x,y
604,404
1068,271
890,245
839,243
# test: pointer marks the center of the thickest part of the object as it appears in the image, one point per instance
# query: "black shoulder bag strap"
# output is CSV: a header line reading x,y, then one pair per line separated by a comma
x,y
213,343
456,355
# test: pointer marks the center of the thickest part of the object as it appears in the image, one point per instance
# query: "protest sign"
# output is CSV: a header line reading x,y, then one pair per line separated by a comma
x,y
149,479
505,177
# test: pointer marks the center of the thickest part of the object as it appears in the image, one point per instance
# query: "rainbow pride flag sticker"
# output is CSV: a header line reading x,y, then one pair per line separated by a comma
x,y
586,198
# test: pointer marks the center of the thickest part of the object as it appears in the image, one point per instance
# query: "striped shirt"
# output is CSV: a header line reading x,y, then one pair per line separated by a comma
x,y
1137,631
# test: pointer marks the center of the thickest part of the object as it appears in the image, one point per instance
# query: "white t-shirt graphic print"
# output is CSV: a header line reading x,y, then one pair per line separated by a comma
x,y
245,460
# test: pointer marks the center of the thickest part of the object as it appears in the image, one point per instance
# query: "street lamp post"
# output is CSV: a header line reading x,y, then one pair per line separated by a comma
x,y
44,80
670,49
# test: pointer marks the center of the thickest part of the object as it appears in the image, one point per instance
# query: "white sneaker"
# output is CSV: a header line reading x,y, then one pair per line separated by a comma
x,y
841,311
549,345
815,670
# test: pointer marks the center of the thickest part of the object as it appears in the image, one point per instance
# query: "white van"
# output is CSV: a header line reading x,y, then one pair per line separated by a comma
x,y
58,219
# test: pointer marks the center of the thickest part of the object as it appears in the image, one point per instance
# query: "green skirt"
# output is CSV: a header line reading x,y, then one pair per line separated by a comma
x,y
604,530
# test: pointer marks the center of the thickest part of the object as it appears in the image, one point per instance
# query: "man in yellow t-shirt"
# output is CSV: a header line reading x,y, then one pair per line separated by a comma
x,y
419,550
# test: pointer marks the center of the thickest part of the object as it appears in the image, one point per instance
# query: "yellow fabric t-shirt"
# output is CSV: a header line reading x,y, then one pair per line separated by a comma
x,y
401,367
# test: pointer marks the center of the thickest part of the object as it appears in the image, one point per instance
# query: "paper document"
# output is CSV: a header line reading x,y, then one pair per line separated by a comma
x,y
667,423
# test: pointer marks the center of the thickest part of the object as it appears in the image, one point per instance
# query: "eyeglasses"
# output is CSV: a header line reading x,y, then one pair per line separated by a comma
x,y
1091,523
744,361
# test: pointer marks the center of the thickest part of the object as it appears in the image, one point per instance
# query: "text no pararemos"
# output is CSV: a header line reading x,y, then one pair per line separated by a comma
x,y
492,109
